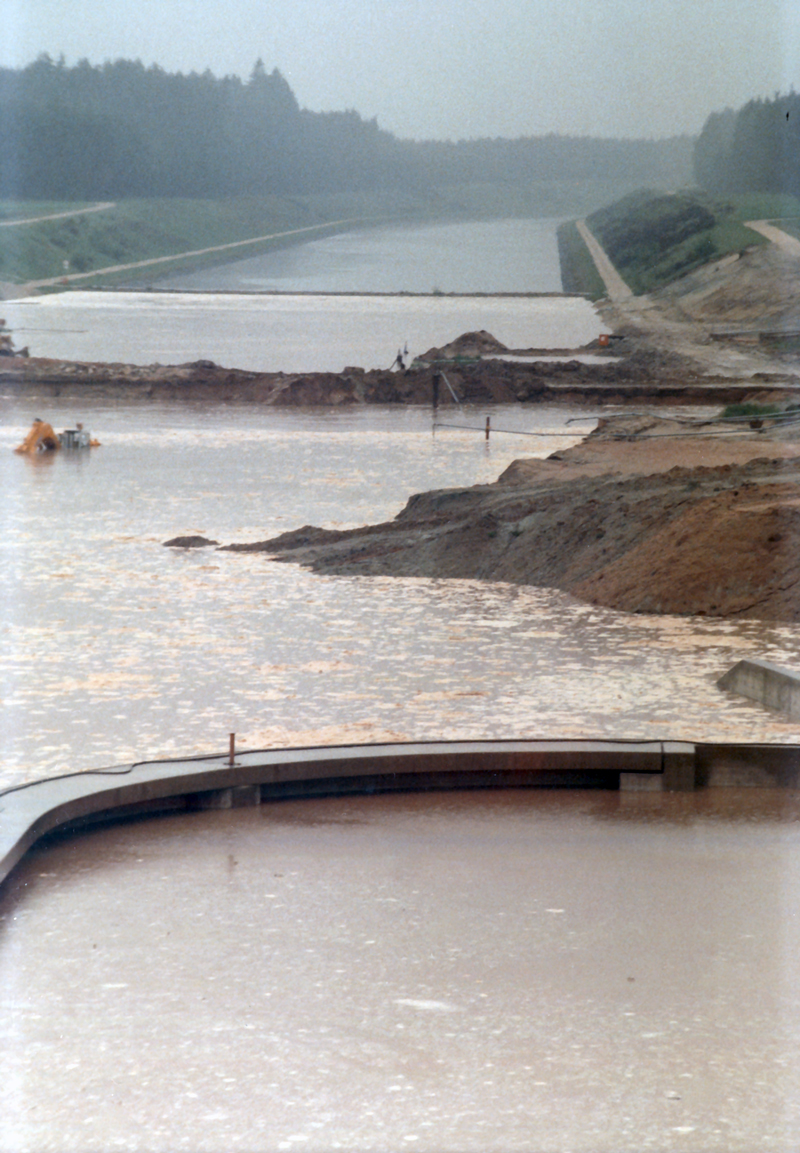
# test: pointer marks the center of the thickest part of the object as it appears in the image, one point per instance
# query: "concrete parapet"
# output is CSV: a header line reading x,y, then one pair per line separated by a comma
x,y
676,774
29,812
236,797
679,767
769,685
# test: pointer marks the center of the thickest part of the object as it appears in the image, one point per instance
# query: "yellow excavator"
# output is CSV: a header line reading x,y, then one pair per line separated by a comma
x,y
42,438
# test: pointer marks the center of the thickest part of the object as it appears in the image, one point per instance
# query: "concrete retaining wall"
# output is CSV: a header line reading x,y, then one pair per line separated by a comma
x,y
770,685
29,812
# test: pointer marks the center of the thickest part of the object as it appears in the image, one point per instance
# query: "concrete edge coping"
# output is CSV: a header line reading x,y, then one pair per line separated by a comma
x,y
29,811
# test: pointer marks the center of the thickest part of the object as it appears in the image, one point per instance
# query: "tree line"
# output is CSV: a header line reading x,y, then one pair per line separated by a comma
x,y
754,149
121,129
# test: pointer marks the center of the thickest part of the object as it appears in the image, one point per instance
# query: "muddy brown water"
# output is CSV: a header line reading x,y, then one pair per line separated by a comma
x,y
117,649
504,970
455,972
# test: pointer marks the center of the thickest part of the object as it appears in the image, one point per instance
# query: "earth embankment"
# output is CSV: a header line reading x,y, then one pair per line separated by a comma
x,y
641,517
640,374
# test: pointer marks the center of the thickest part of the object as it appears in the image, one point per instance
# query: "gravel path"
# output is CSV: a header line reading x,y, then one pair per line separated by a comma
x,y
789,244
616,286
59,215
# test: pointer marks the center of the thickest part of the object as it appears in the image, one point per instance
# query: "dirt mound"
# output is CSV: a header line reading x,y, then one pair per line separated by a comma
x,y
189,542
607,521
469,344
729,554
757,288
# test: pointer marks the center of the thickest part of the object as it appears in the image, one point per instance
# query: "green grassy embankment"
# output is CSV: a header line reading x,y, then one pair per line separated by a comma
x,y
135,230
654,238
25,209
578,270
536,198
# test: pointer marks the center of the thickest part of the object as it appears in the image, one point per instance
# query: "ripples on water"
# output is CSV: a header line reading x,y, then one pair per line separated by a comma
x,y
115,648
491,971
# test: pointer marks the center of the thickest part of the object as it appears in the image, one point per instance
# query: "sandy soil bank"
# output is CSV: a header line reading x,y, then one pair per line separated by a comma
x,y
645,516
640,517
723,318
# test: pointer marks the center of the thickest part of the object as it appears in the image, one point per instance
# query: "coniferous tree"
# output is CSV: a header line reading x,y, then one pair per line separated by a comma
x,y
123,130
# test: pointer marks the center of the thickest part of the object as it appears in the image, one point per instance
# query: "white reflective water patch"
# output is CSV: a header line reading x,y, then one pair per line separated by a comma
x,y
428,1006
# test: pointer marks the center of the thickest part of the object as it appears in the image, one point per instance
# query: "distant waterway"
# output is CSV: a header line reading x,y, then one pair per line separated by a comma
x,y
351,299
480,256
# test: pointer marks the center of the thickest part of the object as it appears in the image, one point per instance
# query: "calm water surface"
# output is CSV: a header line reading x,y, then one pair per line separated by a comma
x,y
285,333
487,256
327,332
451,973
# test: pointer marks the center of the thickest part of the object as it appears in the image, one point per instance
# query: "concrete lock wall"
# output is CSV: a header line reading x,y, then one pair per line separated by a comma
x,y
770,685
28,812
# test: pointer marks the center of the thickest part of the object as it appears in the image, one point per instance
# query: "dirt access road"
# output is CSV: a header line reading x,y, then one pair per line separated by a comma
x,y
704,317
789,244
59,215
615,286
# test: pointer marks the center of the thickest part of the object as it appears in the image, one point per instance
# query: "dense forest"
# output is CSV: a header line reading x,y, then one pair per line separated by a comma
x,y
121,130
756,149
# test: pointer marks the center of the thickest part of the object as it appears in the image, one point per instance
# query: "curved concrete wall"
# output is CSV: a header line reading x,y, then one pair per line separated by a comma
x,y
30,811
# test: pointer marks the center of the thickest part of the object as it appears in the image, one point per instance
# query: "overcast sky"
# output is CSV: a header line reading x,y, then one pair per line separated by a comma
x,y
451,69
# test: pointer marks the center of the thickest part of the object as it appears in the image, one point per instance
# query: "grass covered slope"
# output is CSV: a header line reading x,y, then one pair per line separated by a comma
x,y
135,230
654,238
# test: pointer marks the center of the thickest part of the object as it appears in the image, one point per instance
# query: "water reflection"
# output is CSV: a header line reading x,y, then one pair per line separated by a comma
x,y
117,649
491,256
286,333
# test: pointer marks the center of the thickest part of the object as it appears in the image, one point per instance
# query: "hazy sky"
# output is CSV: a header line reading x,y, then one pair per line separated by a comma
x,y
451,68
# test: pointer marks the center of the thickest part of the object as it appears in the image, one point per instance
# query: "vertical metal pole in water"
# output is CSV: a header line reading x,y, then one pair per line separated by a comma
x,y
436,381
488,426
232,752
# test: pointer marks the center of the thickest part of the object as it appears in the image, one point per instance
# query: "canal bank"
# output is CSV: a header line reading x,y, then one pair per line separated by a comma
x,y
645,515
550,378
